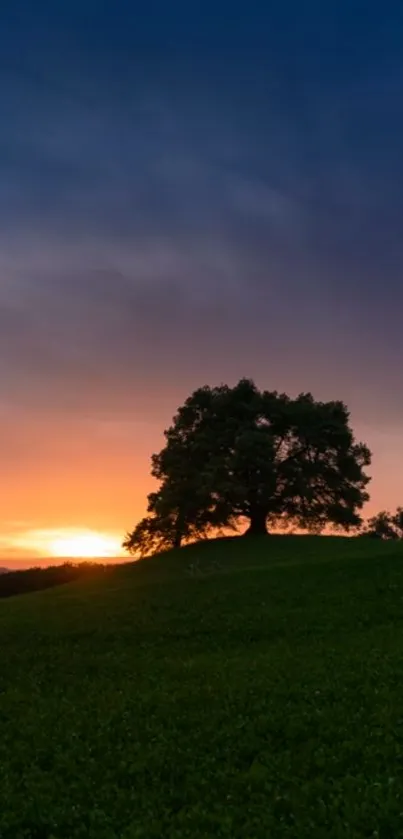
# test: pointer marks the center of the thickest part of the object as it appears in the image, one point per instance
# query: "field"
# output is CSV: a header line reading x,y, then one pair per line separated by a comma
x,y
233,689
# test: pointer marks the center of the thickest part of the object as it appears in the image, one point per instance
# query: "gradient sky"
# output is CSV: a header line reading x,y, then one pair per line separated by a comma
x,y
191,192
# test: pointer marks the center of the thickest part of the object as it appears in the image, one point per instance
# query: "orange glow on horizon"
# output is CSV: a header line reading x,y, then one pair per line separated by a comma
x,y
82,485
70,543
85,545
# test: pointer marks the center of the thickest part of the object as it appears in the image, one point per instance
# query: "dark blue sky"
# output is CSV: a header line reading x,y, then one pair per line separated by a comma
x,y
193,192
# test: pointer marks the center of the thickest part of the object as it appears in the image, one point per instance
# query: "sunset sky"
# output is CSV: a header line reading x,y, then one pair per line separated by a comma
x,y
191,192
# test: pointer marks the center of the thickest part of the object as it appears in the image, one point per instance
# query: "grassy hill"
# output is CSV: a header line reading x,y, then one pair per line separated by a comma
x,y
233,689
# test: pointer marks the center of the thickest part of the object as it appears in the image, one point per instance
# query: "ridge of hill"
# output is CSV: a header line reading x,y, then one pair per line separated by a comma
x,y
236,688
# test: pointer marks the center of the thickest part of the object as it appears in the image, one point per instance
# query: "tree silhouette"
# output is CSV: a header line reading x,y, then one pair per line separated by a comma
x,y
386,525
238,453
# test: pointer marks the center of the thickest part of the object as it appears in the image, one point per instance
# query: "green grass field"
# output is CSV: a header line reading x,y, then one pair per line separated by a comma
x,y
233,689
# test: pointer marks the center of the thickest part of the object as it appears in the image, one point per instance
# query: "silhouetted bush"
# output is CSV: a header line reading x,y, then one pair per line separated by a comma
x,y
386,525
37,579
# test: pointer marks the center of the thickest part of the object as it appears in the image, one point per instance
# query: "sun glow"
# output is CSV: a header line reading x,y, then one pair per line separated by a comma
x,y
68,543
85,545
64,543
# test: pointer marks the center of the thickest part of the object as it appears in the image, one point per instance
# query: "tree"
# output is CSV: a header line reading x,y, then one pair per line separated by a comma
x,y
238,453
385,525
397,522
151,535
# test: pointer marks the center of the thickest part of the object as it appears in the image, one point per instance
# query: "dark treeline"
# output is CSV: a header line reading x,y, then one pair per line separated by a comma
x,y
37,579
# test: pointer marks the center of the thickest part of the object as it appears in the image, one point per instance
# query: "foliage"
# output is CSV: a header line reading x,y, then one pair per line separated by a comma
x,y
257,696
386,525
240,454
36,579
169,524
151,535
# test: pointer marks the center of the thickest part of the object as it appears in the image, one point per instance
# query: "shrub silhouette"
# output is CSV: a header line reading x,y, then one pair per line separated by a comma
x,y
37,579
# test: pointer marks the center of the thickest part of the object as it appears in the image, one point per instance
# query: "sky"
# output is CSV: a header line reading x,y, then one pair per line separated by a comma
x,y
190,193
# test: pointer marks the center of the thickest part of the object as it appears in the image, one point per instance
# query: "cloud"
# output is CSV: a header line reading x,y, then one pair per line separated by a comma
x,y
152,236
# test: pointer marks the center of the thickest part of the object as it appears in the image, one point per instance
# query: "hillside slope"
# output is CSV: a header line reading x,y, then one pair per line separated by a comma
x,y
233,689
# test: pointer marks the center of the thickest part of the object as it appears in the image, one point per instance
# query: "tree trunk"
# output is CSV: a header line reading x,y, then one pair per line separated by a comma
x,y
178,535
177,539
257,525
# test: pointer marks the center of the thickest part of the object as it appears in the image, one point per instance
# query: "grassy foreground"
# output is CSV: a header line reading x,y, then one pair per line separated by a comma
x,y
232,690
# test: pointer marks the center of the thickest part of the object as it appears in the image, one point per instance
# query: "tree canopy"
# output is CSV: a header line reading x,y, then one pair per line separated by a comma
x,y
238,454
